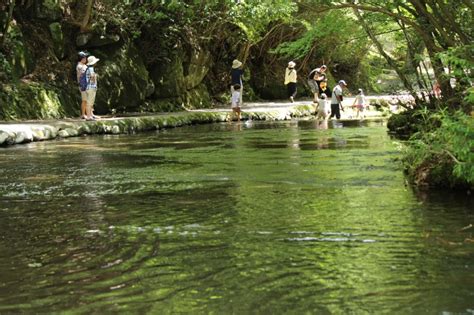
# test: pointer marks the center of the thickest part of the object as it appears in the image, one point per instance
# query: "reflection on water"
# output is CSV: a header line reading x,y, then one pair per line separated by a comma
x,y
291,217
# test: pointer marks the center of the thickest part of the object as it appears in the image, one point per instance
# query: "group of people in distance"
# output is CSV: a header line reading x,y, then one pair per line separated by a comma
x,y
317,81
87,81
328,102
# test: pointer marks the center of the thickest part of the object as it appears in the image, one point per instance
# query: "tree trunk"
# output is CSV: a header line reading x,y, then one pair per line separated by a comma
x,y
87,16
392,63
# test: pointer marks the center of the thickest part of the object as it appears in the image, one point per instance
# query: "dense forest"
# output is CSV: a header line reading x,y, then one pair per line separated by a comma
x,y
168,55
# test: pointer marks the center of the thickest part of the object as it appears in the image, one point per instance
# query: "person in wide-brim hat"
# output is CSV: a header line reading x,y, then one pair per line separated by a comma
x,y
236,64
92,60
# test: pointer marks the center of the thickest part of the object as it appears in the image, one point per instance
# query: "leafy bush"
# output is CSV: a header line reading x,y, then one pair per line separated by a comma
x,y
444,155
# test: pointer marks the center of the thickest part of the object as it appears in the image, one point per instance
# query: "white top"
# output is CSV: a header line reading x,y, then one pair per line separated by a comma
x,y
80,69
323,105
290,76
235,99
360,99
336,91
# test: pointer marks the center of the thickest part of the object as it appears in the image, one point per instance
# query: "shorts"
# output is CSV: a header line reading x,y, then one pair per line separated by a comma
x,y
360,107
83,95
313,86
91,97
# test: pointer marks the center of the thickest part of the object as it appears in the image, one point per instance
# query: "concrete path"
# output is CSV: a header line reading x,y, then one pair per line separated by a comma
x,y
39,130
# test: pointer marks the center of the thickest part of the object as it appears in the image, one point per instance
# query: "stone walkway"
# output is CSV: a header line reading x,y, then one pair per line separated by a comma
x,y
28,131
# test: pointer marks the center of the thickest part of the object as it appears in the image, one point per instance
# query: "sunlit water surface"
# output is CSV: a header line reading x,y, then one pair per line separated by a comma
x,y
270,218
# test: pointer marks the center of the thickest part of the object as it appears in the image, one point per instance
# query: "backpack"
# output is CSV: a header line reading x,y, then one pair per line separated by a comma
x,y
83,80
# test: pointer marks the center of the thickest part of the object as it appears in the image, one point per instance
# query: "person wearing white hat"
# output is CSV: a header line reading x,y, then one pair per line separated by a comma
x,y
290,80
236,75
91,89
336,100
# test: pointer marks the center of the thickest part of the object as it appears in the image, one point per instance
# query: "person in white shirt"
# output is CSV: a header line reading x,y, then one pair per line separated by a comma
x,y
336,100
80,69
359,103
290,80
236,100
323,107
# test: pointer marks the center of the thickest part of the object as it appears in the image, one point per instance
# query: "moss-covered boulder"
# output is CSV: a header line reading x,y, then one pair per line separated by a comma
x,y
58,39
197,68
20,58
168,78
197,98
124,81
34,101
49,10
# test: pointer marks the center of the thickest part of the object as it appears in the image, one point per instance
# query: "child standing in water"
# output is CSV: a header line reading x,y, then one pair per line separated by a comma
x,y
323,108
236,101
359,103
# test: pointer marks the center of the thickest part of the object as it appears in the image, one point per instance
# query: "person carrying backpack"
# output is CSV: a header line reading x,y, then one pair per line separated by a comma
x,y
315,77
80,71
91,87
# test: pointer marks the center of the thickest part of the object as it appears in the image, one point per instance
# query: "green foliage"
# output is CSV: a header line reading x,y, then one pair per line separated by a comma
x,y
461,62
332,36
254,16
442,153
5,69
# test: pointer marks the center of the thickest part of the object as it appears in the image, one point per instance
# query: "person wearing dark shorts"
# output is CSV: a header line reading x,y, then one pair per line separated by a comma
x,y
315,77
336,100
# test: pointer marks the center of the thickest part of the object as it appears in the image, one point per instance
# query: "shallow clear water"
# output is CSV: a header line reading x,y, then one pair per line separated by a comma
x,y
269,218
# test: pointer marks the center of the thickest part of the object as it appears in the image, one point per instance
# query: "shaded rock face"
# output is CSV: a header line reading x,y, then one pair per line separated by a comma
x,y
58,39
181,81
124,81
35,101
20,57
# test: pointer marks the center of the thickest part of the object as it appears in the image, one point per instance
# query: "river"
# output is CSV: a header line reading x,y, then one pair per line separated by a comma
x,y
260,218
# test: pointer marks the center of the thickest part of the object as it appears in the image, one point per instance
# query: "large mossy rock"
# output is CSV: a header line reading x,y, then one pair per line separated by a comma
x,y
168,78
49,10
35,101
124,81
198,97
20,57
180,81
197,68
58,39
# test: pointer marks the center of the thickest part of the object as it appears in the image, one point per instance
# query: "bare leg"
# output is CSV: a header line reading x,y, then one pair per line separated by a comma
x,y
83,108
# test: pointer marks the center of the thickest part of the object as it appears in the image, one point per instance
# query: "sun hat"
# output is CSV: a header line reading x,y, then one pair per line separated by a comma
x,y
91,60
291,64
342,82
236,64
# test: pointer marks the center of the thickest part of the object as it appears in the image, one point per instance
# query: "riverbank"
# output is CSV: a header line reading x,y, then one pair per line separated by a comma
x,y
40,130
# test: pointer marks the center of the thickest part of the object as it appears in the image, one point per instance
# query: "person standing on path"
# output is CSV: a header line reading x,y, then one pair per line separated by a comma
x,y
80,69
315,77
91,89
236,75
336,100
290,80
